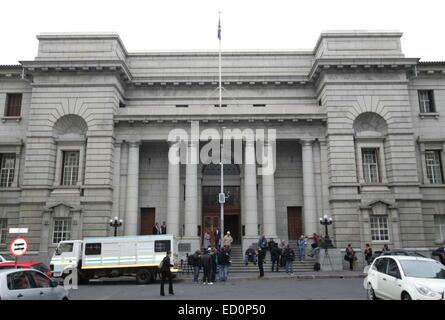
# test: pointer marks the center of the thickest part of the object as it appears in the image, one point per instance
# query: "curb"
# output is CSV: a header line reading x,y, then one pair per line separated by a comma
x,y
296,277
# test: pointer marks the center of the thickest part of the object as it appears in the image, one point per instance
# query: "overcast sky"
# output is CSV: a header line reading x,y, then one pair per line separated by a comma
x,y
146,25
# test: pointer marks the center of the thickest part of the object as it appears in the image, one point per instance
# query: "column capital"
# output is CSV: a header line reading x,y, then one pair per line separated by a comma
x,y
306,142
134,144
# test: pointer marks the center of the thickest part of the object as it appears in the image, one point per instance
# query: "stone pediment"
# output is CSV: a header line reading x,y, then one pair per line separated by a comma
x,y
379,203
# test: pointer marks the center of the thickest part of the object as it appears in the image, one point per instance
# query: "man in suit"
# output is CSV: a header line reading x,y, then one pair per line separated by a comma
x,y
156,229
166,273
163,228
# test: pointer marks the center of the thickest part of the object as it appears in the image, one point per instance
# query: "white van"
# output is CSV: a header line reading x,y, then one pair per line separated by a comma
x,y
137,256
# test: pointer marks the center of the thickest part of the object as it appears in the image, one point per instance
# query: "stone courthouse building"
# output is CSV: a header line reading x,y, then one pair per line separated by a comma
x,y
360,136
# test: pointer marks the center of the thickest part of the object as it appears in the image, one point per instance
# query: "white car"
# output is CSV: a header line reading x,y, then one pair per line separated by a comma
x,y
405,278
6,257
29,284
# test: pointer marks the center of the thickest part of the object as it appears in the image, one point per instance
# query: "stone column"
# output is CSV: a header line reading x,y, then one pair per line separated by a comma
x,y
191,191
173,191
269,216
310,211
132,208
116,180
250,186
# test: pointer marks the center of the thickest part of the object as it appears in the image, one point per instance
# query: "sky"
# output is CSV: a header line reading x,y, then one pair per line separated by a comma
x,y
150,25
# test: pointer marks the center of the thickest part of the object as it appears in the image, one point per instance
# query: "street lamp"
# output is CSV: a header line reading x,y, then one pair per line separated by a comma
x,y
326,221
116,223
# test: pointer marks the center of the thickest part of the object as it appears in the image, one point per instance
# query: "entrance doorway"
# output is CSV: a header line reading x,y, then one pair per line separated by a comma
x,y
147,220
294,223
211,212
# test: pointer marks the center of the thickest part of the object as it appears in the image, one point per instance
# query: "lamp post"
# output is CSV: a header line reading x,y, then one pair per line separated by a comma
x,y
116,223
326,221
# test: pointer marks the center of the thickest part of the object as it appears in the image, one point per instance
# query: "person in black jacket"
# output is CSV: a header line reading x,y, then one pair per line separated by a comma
x,y
207,266
166,273
275,256
196,258
261,257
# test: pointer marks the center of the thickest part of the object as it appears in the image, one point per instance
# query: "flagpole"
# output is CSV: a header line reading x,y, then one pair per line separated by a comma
x,y
222,195
219,60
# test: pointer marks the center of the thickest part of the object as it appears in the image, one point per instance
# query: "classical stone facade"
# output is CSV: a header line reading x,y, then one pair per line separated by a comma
x,y
359,136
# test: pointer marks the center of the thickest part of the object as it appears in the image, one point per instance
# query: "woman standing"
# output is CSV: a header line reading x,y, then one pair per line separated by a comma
x,y
368,253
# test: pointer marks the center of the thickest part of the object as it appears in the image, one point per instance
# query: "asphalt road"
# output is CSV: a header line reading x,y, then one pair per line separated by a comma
x,y
270,289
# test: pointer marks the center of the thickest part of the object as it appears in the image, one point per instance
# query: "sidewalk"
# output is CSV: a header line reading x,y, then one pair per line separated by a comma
x,y
346,274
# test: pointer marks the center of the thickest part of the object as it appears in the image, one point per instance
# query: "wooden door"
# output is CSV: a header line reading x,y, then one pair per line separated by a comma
x,y
211,223
147,220
294,223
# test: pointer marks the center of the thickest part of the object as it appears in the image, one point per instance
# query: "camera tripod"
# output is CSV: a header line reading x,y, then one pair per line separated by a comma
x,y
326,254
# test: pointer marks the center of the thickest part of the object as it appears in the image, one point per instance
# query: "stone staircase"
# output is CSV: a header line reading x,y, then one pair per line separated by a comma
x,y
238,265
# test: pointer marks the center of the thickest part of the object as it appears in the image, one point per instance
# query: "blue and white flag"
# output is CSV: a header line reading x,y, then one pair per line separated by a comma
x,y
219,28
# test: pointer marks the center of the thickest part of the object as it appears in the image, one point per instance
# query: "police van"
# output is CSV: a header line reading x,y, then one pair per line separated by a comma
x,y
138,256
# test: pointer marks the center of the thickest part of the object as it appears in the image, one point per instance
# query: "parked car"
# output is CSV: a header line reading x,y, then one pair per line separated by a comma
x,y
29,284
27,265
6,257
396,252
404,278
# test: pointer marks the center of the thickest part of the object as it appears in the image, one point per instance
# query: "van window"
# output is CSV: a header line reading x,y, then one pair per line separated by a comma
x,y
93,248
162,245
65,247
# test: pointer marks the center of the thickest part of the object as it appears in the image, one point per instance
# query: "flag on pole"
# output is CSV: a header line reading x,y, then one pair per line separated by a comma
x,y
219,28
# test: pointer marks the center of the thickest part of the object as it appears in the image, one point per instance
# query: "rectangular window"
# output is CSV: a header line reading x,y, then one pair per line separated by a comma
x,y
70,168
370,165
3,230
92,249
426,101
162,245
259,105
13,104
439,226
182,106
62,230
222,105
379,228
433,166
7,165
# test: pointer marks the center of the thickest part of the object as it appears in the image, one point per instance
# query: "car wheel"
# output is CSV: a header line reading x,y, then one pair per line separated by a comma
x,y
370,293
406,296
143,276
65,299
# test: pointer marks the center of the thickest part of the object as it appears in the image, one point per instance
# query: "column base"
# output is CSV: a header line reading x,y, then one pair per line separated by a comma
x,y
193,244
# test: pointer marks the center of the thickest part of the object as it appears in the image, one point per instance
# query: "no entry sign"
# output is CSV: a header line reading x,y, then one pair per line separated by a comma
x,y
18,247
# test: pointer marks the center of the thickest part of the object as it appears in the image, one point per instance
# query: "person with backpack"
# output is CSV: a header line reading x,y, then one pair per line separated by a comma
x,y
289,255
165,266
196,262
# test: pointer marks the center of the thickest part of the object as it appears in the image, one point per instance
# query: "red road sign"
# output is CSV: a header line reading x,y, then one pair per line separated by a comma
x,y
18,247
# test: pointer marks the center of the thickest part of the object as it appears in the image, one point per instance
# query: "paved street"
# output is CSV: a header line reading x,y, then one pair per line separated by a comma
x,y
126,289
